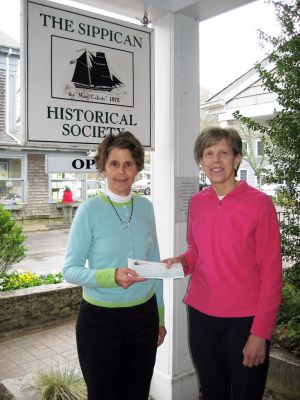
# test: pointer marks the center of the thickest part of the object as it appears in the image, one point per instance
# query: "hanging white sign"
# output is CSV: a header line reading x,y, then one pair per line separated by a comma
x,y
86,76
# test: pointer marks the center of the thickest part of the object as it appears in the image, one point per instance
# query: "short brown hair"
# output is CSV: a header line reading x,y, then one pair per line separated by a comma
x,y
123,140
210,136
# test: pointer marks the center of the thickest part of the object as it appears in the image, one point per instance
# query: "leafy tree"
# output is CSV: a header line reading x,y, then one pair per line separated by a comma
x,y
12,250
206,119
281,134
258,164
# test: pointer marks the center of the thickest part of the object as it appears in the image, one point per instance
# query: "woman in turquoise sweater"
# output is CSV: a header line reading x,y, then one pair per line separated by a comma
x,y
121,317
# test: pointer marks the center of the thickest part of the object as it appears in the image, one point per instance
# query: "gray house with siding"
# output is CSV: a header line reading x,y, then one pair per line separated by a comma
x,y
9,77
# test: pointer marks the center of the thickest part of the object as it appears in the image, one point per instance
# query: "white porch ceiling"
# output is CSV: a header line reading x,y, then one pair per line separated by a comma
x,y
198,9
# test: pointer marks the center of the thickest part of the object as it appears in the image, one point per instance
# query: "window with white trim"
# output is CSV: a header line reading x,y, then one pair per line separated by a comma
x,y
259,148
11,179
202,176
82,185
59,181
243,174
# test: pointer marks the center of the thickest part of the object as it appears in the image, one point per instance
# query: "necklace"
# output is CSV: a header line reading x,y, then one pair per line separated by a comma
x,y
124,224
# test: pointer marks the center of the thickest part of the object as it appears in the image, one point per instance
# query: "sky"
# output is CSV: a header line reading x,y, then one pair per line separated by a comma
x,y
228,43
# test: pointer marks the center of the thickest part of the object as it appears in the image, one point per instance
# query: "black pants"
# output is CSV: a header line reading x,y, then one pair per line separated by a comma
x,y
216,347
117,350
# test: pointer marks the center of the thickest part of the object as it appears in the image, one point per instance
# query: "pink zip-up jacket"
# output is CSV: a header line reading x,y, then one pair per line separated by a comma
x,y
234,257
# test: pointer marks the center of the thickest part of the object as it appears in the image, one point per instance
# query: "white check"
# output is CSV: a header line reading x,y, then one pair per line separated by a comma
x,y
155,270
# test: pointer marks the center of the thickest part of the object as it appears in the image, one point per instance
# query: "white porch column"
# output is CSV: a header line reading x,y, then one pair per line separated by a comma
x,y
176,127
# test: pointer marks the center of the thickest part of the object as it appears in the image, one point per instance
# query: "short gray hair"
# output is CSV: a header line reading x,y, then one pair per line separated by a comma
x,y
210,136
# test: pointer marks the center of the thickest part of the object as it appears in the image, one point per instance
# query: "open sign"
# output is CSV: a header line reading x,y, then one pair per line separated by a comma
x,y
84,163
59,163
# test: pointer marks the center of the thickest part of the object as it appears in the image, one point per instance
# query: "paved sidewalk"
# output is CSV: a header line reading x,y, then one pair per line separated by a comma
x,y
45,251
22,354
28,351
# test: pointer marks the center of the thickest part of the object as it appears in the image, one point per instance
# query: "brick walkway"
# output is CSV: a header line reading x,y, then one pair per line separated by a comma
x,y
28,351
52,345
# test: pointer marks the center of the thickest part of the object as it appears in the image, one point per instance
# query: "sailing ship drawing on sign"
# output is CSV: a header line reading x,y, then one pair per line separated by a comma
x,y
92,72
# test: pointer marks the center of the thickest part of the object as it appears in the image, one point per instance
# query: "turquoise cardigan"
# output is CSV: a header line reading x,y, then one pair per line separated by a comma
x,y
97,236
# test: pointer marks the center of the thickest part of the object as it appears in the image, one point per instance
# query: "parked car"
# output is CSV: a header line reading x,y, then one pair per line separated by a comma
x,y
142,186
94,187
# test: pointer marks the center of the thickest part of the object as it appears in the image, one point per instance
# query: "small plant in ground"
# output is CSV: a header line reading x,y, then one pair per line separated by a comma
x,y
58,384
19,280
12,250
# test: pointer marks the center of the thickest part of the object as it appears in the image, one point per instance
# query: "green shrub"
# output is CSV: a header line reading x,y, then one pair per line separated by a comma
x,y
292,276
64,384
19,280
12,250
287,332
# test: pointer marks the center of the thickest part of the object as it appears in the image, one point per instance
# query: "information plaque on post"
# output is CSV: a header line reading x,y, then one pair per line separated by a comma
x,y
184,189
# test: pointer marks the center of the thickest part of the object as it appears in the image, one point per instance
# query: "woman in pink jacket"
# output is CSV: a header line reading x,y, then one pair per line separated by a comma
x,y
234,259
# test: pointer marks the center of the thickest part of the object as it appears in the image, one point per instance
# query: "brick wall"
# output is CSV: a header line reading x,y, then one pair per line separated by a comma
x,y
37,185
30,307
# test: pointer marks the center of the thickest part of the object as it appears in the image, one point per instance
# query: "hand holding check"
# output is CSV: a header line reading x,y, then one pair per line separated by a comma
x,y
155,270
